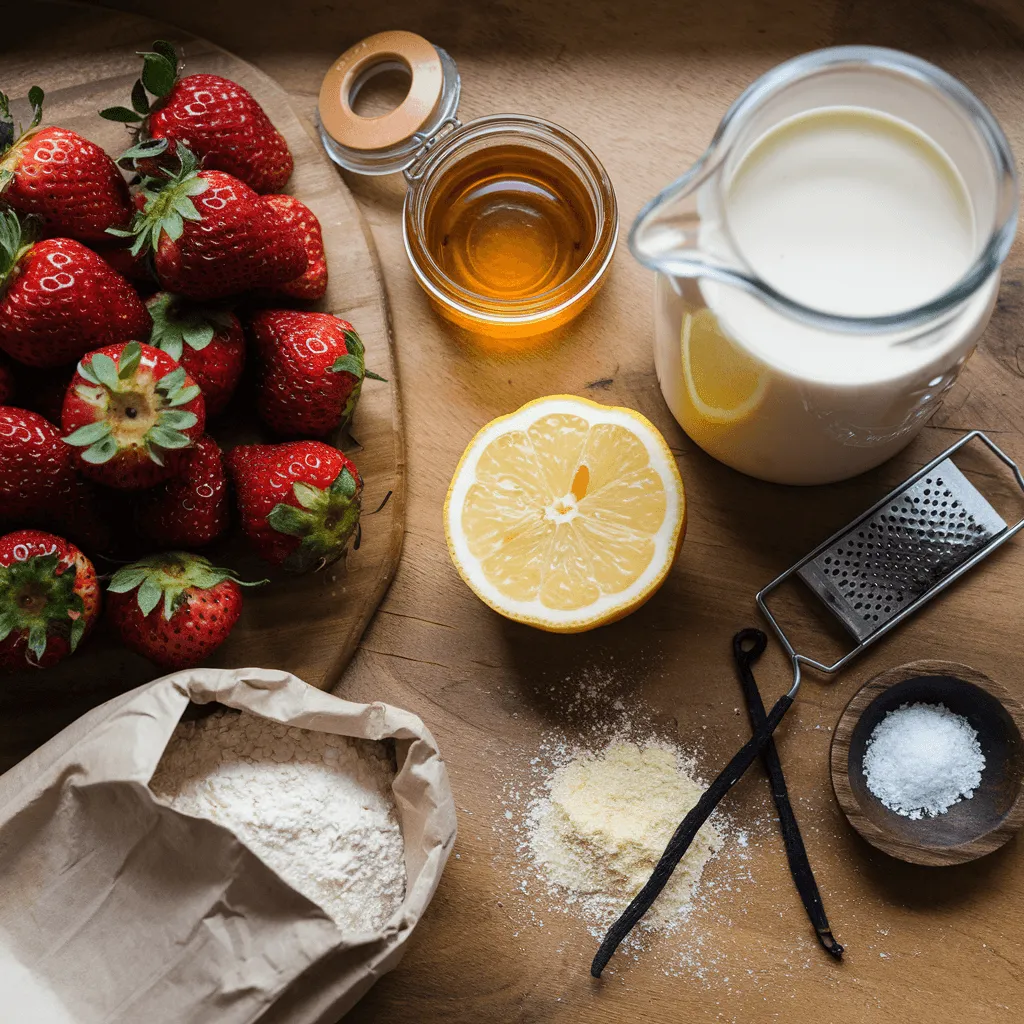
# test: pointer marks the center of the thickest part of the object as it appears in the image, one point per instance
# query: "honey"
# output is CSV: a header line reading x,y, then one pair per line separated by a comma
x,y
509,222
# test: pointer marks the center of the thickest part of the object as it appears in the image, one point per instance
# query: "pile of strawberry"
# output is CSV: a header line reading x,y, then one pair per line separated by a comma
x,y
127,306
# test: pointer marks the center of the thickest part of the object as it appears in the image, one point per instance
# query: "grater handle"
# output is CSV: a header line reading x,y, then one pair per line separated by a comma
x,y
686,832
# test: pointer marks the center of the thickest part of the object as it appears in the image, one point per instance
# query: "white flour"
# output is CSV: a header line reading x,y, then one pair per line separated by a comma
x,y
316,808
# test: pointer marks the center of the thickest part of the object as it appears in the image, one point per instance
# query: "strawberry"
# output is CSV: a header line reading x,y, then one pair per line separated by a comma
x,y
129,411
8,385
49,599
313,283
212,235
39,482
63,179
182,608
209,343
299,502
191,510
214,117
58,299
133,267
311,370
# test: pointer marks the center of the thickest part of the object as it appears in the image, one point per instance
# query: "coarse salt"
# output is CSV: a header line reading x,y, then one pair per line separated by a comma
x,y
921,759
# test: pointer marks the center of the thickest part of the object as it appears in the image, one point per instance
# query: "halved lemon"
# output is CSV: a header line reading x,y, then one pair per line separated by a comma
x,y
565,514
723,384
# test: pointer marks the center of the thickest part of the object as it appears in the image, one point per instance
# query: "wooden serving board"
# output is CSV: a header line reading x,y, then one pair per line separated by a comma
x,y
307,625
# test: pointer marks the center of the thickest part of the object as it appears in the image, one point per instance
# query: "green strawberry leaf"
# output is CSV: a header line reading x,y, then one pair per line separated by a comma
x,y
354,344
102,451
128,362
344,484
37,639
6,624
77,630
183,396
105,370
144,150
158,74
167,50
35,99
6,177
197,335
156,456
172,381
347,364
374,376
125,579
88,434
121,114
306,495
290,520
178,419
85,371
149,595
167,437
140,102
96,396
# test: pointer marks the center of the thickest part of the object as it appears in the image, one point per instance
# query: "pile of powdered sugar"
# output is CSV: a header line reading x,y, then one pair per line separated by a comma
x,y
921,759
601,822
316,808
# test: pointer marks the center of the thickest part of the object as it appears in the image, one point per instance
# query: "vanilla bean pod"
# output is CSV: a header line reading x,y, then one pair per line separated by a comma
x,y
747,646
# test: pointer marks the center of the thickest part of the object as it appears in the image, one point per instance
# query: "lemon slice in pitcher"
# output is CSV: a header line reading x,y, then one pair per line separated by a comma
x,y
565,514
723,384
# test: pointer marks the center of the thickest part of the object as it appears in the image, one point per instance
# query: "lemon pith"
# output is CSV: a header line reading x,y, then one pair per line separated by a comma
x,y
723,384
565,514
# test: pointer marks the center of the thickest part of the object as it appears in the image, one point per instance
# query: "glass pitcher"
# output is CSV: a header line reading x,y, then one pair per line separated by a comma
x,y
799,386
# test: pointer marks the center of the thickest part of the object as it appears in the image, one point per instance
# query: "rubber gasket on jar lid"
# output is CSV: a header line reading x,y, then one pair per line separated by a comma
x,y
385,49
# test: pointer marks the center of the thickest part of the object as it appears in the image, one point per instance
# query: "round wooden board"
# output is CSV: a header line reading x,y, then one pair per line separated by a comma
x,y
307,625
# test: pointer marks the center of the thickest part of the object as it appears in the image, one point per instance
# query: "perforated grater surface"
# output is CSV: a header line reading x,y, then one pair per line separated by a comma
x,y
900,553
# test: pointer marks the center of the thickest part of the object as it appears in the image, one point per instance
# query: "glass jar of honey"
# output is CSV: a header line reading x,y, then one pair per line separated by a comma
x,y
510,221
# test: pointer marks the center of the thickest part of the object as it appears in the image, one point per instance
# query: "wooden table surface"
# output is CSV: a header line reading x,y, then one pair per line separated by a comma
x,y
644,84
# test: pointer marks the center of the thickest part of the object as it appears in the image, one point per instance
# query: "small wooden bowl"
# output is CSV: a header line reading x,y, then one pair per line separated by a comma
x,y
970,828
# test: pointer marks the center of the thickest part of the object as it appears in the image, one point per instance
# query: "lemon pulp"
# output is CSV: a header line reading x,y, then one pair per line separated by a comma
x,y
565,514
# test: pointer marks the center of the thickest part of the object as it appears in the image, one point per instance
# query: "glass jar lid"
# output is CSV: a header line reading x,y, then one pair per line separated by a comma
x,y
389,142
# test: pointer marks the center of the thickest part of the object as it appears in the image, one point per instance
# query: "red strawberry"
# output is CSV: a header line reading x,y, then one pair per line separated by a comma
x,y
131,266
311,370
214,117
129,412
39,484
191,510
66,181
8,385
299,502
313,283
212,235
209,343
175,609
58,299
49,599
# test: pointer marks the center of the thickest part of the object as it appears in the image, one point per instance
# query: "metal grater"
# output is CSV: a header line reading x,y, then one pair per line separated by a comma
x,y
887,559
899,554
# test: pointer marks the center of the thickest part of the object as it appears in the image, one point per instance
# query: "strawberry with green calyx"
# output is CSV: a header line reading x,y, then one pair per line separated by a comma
x,y
191,510
58,299
299,502
208,342
49,599
67,182
311,371
214,117
312,284
176,608
129,413
211,235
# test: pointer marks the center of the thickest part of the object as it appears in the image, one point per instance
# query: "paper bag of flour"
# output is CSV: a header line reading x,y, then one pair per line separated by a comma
x,y
118,908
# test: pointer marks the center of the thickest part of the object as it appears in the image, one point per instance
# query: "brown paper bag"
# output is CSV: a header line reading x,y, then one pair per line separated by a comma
x,y
117,908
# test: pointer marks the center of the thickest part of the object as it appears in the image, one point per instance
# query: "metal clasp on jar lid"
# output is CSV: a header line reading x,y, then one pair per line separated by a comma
x,y
396,140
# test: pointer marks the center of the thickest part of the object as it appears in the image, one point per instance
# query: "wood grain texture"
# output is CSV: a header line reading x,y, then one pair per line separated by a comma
x,y
307,625
969,829
644,84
